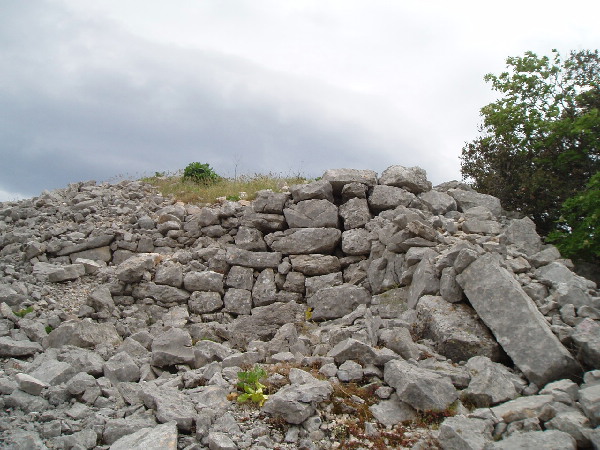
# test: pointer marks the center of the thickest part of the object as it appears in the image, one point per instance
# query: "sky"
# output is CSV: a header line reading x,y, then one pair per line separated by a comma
x,y
112,89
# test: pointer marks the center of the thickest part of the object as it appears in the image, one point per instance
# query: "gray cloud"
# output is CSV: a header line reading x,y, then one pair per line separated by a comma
x,y
87,101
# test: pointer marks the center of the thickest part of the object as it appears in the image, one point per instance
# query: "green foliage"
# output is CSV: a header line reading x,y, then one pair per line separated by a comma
x,y
251,386
578,234
200,173
233,198
540,141
49,329
23,312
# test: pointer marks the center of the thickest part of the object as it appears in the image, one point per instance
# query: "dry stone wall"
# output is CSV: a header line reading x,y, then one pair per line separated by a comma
x,y
125,317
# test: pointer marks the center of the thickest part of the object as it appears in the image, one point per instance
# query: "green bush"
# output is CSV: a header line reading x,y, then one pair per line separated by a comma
x,y
200,173
578,234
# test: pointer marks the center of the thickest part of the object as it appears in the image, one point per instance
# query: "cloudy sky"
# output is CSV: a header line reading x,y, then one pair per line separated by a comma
x,y
121,88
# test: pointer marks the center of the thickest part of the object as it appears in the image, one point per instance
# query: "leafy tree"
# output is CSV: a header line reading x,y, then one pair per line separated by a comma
x,y
578,234
540,141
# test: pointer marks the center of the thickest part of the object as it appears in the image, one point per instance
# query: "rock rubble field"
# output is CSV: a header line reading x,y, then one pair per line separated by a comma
x,y
386,314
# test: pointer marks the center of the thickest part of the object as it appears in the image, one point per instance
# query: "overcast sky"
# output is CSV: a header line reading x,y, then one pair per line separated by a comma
x,y
100,89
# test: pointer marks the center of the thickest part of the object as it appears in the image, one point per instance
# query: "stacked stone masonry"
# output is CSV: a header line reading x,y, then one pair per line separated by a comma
x,y
125,318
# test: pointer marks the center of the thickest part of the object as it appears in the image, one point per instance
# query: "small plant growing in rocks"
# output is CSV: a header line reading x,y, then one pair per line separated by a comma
x,y
23,312
200,173
251,386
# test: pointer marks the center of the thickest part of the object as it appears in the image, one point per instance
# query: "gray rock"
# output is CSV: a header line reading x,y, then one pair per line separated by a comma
x,y
207,281
268,202
24,440
389,197
352,349
350,371
264,322
522,408
205,302
265,223
522,234
264,291
437,202
456,330
101,299
81,439
490,383
315,284
256,260
477,226
304,240
78,384
220,441
238,301
463,433
171,347
101,240
53,372
393,412
132,270
545,256
115,429
423,389
250,239
400,341
337,301
313,265
341,177
450,290
297,402
312,214
413,179
82,360
66,273
355,213
30,384
121,368
169,273
26,402
516,322
548,440
570,294
469,199
356,242
10,347
103,254
83,334
161,437
162,293
319,190
587,340
170,404
572,421
589,399
240,278
424,281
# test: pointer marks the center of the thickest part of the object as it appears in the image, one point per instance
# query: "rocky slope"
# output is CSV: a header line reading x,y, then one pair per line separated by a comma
x,y
387,314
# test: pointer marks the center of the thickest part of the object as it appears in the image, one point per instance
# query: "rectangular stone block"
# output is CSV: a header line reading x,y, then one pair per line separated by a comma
x,y
515,321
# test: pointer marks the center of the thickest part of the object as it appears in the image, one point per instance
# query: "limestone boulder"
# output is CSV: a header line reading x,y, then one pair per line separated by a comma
x,y
422,389
456,330
337,301
413,179
312,214
341,177
317,190
303,241
515,321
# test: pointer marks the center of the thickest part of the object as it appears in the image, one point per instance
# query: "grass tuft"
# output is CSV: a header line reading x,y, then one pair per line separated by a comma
x,y
187,191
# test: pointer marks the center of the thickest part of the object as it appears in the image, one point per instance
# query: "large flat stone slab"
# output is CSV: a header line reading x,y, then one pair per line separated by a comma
x,y
516,322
